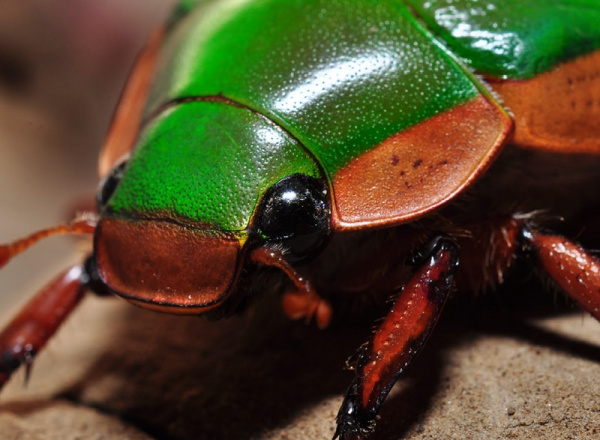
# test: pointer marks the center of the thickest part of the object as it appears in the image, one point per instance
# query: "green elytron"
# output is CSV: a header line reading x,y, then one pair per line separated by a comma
x,y
329,139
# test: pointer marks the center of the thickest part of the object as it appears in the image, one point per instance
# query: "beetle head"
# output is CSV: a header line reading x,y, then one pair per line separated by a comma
x,y
206,183
163,265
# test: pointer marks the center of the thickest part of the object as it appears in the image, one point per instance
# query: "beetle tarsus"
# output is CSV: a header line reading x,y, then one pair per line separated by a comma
x,y
9,362
353,423
397,341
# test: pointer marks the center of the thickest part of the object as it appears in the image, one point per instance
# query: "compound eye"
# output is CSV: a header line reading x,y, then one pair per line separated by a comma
x,y
296,213
109,184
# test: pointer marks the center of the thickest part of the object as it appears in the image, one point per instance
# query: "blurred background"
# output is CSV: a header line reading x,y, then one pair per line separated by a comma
x,y
62,67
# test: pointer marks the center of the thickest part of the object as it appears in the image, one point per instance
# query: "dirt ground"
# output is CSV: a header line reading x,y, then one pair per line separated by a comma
x,y
117,372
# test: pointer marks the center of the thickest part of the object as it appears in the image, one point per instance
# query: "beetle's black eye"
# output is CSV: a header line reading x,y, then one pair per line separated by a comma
x,y
108,185
296,212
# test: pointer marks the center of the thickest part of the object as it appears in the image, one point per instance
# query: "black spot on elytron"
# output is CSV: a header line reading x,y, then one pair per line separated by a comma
x,y
417,163
402,173
442,162
395,160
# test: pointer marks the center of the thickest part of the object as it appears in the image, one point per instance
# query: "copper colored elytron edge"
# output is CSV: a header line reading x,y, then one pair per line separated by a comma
x,y
415,171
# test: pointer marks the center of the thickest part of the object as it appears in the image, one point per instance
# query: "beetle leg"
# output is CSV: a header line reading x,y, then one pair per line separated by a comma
x,y
397,341
304,302
574,269
84,224
29,331
127,119
488,253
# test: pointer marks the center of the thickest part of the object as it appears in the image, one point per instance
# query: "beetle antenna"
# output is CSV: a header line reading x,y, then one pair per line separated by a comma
x,y
82,224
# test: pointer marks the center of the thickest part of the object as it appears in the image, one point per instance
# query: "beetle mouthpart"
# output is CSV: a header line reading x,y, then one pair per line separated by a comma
x,y
165,266
84,224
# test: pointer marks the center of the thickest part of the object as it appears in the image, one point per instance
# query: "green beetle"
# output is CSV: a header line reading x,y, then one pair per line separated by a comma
x,y
332,140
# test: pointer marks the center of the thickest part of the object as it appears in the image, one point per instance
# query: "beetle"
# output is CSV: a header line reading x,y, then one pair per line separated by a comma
x,y
329,150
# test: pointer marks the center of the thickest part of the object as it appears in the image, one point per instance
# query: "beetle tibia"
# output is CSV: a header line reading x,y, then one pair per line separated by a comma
x,y
397,341
29,331
573,268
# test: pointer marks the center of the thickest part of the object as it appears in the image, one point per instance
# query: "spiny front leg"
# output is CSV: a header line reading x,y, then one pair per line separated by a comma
x,y
29,331
397,341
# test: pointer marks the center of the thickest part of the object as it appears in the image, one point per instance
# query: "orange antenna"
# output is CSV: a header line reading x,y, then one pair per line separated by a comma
x,y
84,224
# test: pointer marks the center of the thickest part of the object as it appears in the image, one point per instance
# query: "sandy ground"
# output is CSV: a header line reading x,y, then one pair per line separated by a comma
x,y
117,372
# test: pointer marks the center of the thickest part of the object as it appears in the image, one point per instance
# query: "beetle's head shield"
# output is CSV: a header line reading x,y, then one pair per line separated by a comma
x,y
176,226
164,265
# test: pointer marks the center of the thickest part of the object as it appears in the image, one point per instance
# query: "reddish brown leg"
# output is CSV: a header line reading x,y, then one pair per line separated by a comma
x,y
29,331
397,341
570,266
488,252
303,302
